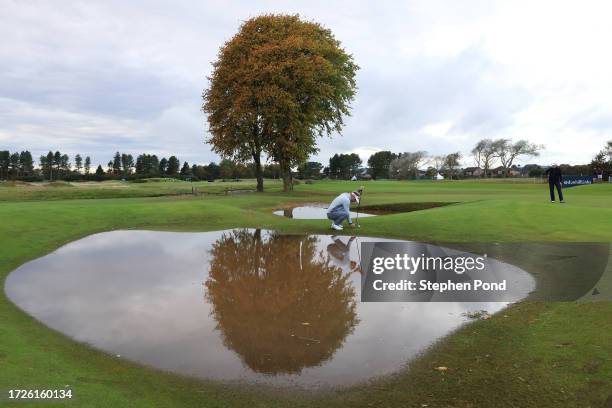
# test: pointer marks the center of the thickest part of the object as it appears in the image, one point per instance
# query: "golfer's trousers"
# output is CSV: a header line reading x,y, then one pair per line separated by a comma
x,y
337,216
551,186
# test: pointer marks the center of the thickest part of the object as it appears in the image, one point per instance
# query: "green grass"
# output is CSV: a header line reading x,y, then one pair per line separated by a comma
x,y
530,355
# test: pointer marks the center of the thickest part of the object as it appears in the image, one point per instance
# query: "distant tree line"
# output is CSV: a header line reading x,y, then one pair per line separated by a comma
x,y
58,166
384,164
493,158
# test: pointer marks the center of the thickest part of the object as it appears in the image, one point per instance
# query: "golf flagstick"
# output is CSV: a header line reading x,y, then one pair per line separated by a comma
x,y
359,205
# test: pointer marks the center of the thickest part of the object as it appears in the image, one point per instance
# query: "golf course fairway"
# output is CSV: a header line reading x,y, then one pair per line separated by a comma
x,y
532,354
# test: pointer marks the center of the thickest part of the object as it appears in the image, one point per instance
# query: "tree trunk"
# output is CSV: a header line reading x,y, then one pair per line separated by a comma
x,y
256,153
286,174
287,186
258,171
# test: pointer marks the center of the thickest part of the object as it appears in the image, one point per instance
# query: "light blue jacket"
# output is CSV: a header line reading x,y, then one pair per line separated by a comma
x,y
341,203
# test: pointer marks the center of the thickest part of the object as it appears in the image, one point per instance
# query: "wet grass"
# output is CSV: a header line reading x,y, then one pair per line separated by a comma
x,y
532,355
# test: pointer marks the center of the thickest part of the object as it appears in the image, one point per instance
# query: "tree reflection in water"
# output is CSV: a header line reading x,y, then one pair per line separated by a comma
x,y
279,304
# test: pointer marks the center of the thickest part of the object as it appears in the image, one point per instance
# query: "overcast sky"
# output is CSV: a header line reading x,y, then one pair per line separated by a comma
x,y
98,77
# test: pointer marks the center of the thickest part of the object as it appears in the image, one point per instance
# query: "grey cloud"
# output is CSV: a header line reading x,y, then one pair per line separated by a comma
x,y
108,90
392,108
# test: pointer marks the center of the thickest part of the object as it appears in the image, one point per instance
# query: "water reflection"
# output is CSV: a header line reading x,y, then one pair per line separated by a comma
x,y
340,250
279,304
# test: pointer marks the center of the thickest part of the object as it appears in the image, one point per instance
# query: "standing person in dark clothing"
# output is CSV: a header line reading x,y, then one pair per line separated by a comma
x,y
554,180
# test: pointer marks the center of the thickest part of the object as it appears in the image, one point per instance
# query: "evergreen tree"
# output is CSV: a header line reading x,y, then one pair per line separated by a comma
x,y
26,162
163,165
57,163
310,170
49,161
116,164
78,162
87,164
343,166
213,170
127,163
379,163
14,168
227,169
173,166
147,165
154,166
64,164
4,164
186,170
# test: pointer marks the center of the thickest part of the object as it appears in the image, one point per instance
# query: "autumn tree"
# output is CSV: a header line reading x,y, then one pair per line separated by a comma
x,y
276,86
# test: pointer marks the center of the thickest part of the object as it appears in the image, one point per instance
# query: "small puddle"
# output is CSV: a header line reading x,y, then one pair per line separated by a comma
x,y
312,212
232,306
318,211
394,208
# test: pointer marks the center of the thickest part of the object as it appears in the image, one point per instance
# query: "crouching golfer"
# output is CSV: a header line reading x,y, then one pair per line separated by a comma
x,y
554,180
338,210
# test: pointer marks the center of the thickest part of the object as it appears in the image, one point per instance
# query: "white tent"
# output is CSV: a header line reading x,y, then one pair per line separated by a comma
x,y
439,176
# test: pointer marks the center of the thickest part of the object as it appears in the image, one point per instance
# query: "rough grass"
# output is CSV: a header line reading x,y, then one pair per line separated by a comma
x,y
59,190
531,355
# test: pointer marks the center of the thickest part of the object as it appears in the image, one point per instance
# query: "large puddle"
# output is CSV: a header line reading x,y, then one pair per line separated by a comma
x,y
245,305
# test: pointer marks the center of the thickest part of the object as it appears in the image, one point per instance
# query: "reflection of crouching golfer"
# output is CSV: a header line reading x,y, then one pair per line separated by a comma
x,y
554,180
338,210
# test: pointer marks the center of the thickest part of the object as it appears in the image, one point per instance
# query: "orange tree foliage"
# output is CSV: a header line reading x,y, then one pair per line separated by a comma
x,y
276,86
